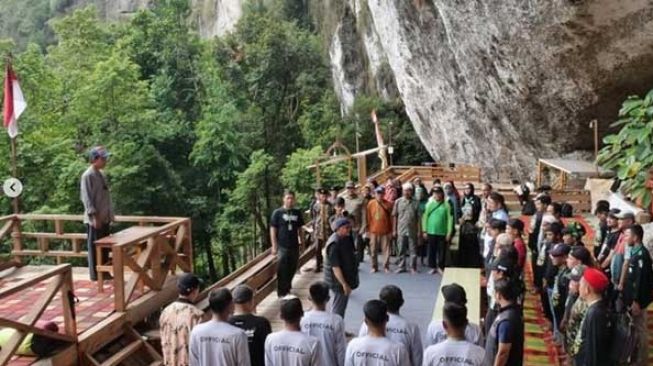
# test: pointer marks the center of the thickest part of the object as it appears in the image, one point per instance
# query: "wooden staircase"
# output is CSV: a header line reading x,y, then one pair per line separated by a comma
x,y
129,348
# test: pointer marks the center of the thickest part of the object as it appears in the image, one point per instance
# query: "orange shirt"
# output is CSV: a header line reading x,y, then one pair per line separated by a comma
x,y
379,219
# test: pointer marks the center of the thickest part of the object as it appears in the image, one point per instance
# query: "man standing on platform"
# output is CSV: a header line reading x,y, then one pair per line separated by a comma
x,y
321,211
286,235
178,319
341,266
379,227
98,212
354,207
406,226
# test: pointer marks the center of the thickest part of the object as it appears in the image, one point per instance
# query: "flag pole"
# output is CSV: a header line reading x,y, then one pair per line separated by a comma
x,y
14,173
14,169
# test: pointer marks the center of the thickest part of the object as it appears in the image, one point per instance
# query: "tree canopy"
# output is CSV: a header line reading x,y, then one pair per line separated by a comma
x,y
212,129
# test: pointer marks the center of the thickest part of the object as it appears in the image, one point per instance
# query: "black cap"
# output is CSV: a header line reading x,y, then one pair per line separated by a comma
x,y
243,294
341,222
626,215
336,188
454,293
560,250
614,213
437,189
186,283
321,190
502,264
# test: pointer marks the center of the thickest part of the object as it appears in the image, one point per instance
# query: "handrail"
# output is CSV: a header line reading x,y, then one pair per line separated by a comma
x,y
60,281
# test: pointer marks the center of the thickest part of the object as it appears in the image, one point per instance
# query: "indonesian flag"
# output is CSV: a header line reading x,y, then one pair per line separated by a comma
x,y
14,103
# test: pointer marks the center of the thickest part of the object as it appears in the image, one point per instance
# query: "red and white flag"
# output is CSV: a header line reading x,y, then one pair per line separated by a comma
x,y
14,103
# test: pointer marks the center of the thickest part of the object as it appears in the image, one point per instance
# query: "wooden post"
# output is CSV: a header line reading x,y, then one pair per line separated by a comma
x,y
595,124
118,279
361,166
70,323
539,173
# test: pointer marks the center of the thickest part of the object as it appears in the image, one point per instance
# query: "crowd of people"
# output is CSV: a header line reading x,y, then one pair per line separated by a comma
x,y
595,297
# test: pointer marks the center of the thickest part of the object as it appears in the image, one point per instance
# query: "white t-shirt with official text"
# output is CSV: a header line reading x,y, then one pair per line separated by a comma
x,y
400,330
454,353
292,348
376,351
329,329
218,343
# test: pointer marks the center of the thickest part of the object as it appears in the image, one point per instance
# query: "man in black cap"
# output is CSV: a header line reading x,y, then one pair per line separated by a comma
x,y
286,235
257,328
320,212
341,265
436,333
560,288
178,319
354,206
502,268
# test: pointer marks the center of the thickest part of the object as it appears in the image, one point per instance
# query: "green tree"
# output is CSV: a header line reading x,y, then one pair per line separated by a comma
x,y
629,152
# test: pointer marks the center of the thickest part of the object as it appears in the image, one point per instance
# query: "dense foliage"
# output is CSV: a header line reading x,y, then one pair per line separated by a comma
x,y
209,129
630,151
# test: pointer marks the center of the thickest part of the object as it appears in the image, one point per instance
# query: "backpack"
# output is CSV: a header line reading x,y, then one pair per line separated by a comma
x,y
566,210
529,208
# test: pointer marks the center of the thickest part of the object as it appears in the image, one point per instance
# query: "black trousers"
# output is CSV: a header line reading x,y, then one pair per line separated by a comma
x,y
436,246
286,267
468,247
360,247
93,234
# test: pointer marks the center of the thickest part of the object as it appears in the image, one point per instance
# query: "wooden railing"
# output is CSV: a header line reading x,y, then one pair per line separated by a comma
x,y
147,259
60,280
459,173
143,260
580,199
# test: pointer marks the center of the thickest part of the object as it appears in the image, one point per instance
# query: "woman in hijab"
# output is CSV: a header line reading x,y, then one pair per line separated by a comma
x,y
468,249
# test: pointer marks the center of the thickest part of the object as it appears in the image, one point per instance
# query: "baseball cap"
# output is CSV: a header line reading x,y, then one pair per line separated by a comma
x,y
379,189
187,282
624,215
243,294
322,190
98,152
560,250
577,273
437,189
341,222
454,293
350,184
336,188
614,213
502,264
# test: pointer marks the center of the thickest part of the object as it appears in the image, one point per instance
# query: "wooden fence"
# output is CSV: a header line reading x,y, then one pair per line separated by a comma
x,y
59,280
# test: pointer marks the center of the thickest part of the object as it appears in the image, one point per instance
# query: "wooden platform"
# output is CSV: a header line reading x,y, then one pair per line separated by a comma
x,y
420,292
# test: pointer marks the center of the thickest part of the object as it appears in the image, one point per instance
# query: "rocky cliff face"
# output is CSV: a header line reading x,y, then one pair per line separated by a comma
x,y
498,83
495,83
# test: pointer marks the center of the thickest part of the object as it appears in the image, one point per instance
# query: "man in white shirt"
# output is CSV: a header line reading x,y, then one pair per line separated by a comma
x,y
436,332
399,329
455,350
328,328
217,342
375,349
291,347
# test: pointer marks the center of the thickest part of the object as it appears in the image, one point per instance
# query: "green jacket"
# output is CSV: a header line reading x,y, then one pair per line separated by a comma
x,y
437,218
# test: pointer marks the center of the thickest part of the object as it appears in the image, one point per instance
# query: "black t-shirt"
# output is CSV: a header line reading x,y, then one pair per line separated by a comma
x,y
287,223
257,329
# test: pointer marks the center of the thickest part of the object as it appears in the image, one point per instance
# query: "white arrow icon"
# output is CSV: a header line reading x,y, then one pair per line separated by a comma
x,y
12,187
